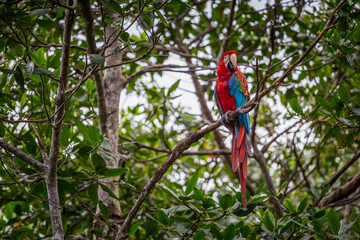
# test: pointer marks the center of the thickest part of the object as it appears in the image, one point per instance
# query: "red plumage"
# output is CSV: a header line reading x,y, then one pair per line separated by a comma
x,y
227,102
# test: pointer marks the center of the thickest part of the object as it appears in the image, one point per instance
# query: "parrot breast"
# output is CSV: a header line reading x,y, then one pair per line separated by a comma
x,y
227,101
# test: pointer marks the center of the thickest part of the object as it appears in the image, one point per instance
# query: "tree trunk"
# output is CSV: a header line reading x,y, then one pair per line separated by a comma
x,y
113,83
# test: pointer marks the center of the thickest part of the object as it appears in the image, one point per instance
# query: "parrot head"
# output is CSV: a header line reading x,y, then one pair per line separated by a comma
x,y
228,62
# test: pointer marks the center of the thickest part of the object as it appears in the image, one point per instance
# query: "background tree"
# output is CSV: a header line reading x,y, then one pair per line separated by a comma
x,y
74,160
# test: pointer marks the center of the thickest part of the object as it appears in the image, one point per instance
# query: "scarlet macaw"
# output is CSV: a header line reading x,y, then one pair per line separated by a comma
x,y
231,92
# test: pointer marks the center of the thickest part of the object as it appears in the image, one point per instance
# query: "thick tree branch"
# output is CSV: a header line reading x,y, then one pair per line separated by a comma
x,y
343,169
342,192
333,179
90,37
195,136
23,156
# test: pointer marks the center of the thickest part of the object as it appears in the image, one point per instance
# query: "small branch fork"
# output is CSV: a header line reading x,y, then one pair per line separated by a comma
x,y
195,136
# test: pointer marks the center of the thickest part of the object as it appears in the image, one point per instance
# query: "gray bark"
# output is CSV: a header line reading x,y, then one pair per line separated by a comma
x,y
51,162
113,83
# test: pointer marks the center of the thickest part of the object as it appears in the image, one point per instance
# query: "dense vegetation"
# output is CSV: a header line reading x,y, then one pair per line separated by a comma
x,y
78,163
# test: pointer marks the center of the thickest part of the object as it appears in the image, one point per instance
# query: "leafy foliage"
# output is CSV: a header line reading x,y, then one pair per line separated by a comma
x,y
199,197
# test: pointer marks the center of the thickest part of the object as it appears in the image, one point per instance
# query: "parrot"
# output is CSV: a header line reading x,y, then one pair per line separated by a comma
x,y
231,92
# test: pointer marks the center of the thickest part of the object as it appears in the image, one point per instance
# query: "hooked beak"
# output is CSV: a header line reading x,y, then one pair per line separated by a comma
x,y
232,63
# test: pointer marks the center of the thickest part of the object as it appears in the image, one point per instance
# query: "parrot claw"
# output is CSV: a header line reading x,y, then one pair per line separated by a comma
x,y
225,119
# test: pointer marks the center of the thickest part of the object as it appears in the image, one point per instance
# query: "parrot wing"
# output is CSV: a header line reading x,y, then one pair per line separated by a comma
x,y
236,88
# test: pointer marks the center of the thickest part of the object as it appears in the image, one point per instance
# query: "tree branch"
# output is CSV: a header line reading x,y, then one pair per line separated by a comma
x,y
51,173
343,169
333,179
90,37
23,156
342,192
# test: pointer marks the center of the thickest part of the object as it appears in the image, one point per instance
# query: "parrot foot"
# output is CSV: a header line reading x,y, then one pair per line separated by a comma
x,y
225,119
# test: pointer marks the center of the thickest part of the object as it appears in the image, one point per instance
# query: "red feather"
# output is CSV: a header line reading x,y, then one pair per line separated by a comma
x,y
235,154
240,144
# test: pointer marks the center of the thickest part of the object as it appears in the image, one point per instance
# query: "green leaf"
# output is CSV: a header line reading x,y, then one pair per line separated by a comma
x,y
162,18
42,71
333,220
173,87
93,194
289,206
106,189
198,194
66,186
208,202
324,191
104,210
257,199
8,71
83,130
125,36
214,229
99,163
284,184
39,12
64,137
192,183
229,232
269,221
320,214
151,228
168,190
199,235
344,93
303,205
31,145
259,189
97,58
356,225
133,228
317,225
328,135
94,134
225,201
114,172
115,7
23,100
162,217
19,78
242,212
295,106
245,231
324,103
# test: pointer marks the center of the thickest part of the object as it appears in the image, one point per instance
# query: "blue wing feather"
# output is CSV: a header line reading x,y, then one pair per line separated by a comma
x,y
240,100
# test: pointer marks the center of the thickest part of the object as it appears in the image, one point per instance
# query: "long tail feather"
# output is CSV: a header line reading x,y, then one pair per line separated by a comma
x,y
243,182
235,160
239,161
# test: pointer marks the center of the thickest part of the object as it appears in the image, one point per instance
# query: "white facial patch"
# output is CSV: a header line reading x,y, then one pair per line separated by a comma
x,y
226,59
